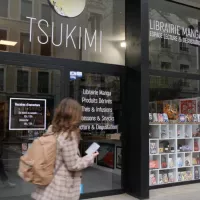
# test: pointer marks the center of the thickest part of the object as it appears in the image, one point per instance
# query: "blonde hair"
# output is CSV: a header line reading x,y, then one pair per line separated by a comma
x,y
67,118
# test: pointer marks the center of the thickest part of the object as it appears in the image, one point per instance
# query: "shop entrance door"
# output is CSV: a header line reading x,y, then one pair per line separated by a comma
x,y
31,80
98,88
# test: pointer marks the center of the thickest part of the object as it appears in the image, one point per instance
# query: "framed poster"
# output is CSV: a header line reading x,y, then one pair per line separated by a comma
x,y
27,114
118,157
106,157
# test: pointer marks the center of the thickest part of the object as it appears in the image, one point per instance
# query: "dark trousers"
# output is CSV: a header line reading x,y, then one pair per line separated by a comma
x,y
3,175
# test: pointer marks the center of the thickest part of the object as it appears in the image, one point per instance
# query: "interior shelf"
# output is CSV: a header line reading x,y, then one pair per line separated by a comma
x,y
174,152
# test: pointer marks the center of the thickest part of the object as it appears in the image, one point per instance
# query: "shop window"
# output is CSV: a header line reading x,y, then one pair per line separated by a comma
x,y
183,47
45,48
95,22
2,79
165,43
4,8
43,82
46,13
26,9
100,97
25,45
174,117
3,36
22,80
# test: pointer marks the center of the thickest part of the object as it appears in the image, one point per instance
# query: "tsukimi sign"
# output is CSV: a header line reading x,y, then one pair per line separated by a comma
x,y
27,114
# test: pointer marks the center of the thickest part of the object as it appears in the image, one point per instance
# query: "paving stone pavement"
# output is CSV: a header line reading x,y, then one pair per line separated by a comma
x,y
186,192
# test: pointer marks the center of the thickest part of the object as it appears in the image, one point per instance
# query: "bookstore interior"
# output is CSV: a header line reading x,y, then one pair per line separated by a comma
x,y
174,141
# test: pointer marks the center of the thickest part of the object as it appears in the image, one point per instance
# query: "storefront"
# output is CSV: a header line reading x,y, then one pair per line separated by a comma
x,y
174,143
134,67
56,49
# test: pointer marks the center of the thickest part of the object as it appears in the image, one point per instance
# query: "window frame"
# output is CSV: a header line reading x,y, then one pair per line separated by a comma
x,y
29,79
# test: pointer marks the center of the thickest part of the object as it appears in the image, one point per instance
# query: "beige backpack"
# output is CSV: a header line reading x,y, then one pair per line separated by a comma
x,y
37,165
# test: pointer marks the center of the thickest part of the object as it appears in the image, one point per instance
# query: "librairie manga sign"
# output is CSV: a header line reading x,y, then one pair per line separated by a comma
x,y
173,32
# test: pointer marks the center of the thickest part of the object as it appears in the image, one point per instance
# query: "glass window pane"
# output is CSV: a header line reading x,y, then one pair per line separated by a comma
x,y
100,97
107,18
13,143
4,8
26,9
174,35
174,117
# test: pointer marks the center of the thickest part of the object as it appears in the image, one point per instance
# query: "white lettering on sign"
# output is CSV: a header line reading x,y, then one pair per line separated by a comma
x,y
89,40
168,31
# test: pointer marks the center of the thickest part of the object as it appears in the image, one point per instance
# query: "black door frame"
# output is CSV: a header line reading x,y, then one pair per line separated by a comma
x,y
65,66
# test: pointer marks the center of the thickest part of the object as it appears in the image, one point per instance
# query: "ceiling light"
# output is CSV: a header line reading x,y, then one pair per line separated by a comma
x,y
8,43
123,44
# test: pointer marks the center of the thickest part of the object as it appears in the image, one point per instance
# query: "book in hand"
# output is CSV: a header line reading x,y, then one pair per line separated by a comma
x,y
92,148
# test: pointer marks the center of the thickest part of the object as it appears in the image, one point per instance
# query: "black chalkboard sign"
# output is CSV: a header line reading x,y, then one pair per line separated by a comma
x,y
27,114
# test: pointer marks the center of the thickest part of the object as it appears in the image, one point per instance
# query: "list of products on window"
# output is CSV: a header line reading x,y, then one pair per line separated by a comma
x,y
27,114
97,107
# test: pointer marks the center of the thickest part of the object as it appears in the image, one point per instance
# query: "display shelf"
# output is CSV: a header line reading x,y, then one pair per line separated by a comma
x,y
176,153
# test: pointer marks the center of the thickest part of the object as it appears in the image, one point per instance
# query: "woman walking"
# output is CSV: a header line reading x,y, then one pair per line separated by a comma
x,y
66,182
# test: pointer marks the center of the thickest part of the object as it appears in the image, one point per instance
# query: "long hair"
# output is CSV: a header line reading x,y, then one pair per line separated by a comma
x,y
67,118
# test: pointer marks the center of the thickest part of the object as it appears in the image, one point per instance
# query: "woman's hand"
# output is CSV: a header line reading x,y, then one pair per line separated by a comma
x,y
95,154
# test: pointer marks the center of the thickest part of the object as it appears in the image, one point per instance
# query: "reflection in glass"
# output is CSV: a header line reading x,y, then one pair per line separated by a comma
x,y
174,130
14,143
174,36
100,98
94,35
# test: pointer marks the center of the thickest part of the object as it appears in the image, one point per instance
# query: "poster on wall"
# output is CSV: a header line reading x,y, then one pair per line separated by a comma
x,y
106,155
188,106
27,114
118,157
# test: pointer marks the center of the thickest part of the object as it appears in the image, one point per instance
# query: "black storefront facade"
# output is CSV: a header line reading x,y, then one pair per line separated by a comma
x,y
127,62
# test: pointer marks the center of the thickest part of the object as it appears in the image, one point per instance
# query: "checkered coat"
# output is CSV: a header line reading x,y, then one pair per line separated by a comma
x,y
66,182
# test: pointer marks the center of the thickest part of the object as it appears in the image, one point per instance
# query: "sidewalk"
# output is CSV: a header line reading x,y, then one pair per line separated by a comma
x,y
186,192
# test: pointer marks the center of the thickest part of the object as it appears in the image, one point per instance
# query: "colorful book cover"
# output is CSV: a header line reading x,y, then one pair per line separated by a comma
x,y
189,118
160,118
182,118
165,118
